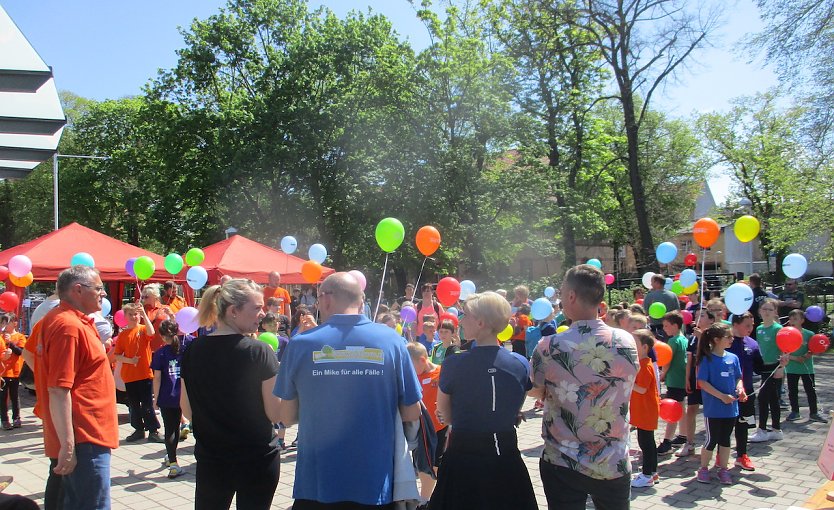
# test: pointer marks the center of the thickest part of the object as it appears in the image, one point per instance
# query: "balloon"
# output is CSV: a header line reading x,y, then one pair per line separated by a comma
x,y
196,277
106,307
687,317
562,329
82,259
738,298
666,252
187,320
595,262
428,240
506,334
690,260
129,266
119,318
23,281
317,253
4,272
688,277
311,271
467,287
818,344
9,302
657,310
789,339
289,244
609,279
706,231
453,310
20,265
670,410
446,316
677,288
647,279
448,291
269,339
389,234
541,308
194,257
363,282
692,289
794,265
746,228
549,292
814,313
667,285
144,267
408,314
663,353
173,263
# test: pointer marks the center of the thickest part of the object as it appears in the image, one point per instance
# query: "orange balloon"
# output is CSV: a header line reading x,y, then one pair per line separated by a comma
x,y
663,353
706,232
22,281
311,271
428,240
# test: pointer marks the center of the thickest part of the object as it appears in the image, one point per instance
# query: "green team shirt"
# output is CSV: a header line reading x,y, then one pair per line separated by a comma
x,y
676,374
797,367
766,337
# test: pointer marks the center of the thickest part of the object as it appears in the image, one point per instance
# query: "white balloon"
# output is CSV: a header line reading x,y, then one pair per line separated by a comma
x,y
289,244
196,277
738,298
318,253
467,287
647,280
794,265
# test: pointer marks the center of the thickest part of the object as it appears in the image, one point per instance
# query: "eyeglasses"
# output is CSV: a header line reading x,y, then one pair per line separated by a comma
x,y
97,288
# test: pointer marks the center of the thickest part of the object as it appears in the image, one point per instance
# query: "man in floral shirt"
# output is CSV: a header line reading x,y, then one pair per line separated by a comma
x,y
585,376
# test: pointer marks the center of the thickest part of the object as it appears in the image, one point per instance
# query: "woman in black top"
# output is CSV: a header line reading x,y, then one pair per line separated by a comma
x,y
227,381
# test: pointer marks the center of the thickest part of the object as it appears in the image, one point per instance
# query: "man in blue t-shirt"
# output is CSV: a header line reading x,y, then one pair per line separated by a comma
x,y
343,382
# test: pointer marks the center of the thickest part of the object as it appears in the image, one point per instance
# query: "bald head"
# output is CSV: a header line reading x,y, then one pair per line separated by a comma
x,y
343,288
274,279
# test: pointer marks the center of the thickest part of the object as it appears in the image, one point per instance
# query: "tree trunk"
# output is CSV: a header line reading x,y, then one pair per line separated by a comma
x,y
645,249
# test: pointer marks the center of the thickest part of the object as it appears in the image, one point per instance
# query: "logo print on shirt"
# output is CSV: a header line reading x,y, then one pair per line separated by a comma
x,y
355,354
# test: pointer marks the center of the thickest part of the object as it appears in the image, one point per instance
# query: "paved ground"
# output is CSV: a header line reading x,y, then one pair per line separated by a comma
x,y
786,471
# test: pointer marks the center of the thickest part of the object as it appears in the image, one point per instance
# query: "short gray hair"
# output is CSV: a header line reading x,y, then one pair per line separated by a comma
x,y
152,289
69,277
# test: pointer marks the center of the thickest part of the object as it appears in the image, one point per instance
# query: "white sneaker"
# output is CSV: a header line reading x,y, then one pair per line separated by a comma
x,y
642,480
686,450
760,436
775,435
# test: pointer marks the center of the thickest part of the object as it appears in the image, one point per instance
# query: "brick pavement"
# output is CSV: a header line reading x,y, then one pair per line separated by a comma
x,y
786,471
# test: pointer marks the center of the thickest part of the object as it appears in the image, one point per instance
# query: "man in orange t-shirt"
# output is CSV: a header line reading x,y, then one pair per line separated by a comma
x,y
273,290
80,421
170,297
15,342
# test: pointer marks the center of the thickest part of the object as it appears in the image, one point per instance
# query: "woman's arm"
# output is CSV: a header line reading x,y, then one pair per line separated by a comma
x,y
272,404
444,408
185,404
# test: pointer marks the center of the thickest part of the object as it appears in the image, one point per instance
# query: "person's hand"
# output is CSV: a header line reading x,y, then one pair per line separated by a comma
x,y
513,321
439,416
307,322
784,359
134,360
742,396
697,332
728,399
66,460
6,354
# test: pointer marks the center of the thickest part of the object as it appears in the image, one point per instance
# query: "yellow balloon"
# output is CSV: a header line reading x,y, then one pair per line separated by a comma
x,y
506,334
562,329
692,289
746,228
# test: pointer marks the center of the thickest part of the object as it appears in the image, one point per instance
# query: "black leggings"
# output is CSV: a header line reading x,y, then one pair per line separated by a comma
x,y
253,483
808,383
140,395
645,438
718,432
10,392
769,399
171,419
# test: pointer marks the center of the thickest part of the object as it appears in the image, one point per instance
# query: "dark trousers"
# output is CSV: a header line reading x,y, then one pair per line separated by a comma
x,y
9,391
808,383
746,419
171,420
769,401
566,489
53,495
13,502
253,484
140,395
645,438
306,504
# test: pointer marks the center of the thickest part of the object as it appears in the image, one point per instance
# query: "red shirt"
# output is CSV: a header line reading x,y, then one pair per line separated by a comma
x,y
645,407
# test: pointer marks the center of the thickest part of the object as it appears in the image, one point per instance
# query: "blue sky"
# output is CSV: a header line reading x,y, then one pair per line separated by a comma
x,y
111,48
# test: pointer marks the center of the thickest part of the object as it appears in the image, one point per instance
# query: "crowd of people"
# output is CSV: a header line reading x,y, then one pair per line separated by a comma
x,y
420,394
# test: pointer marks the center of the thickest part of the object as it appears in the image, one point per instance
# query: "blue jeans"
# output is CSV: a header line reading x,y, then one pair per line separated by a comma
x,y
88,486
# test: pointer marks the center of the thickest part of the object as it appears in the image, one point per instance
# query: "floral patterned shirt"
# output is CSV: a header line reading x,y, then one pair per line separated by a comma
x,y
588,372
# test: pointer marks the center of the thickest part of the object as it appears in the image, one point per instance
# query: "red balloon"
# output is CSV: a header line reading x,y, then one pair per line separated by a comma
x,y
663,353
9,302
446,316
671,410
4,272
789,339
818,344
687,317
448,291
690,260
677,277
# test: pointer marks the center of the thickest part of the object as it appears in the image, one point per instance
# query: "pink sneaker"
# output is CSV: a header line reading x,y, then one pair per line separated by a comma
x,y
703,475
724,477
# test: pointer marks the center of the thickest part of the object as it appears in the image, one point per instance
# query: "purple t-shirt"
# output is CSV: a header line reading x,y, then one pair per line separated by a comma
x,y
168,363
282,343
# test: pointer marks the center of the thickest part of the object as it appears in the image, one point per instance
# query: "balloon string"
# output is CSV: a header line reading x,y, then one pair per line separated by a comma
x,y
417,285
701,301
381,284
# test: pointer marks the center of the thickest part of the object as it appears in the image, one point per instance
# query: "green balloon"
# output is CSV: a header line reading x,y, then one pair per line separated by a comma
x,y
269,339
677,288
657,310
173,263
390,234
195,257
144,267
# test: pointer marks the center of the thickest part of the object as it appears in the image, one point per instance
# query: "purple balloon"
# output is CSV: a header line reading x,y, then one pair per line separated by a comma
x,y
408,314
129,266
187,320
814,313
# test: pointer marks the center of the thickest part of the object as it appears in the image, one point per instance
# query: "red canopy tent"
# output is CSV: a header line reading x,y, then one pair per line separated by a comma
x,y
240,257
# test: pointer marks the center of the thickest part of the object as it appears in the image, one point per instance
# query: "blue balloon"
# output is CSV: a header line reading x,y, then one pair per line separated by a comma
x,y
105,307
738,298
814,313
82,259
317,253
668,284
196,277
453,311
541,308
688,277
595,262
467,287
666,252
289,244
549,292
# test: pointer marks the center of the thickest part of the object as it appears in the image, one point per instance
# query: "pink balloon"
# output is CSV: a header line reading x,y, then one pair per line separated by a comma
x,y
609,279
187,320
359,277
119,318
687,317
20,265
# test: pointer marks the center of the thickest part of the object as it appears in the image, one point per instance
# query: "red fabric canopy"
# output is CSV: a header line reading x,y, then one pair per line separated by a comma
x,y
240,257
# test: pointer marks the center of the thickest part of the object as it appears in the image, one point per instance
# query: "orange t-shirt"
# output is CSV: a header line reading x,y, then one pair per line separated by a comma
x,y
14,364
645,407
521,325
175,304
429,382
280,293
131,343
40,379
156,315
74,359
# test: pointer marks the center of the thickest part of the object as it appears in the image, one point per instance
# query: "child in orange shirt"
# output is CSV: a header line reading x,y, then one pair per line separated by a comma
x,y
14,343
520,322
133,349
645,407
429,375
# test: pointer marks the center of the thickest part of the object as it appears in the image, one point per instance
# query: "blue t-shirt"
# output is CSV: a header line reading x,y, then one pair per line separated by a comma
x,y
723,374
429,344
487,386
349,376
168,363
282,344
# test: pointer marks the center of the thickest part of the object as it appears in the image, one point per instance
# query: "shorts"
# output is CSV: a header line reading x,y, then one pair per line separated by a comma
x,y
695,398
718,432
677,394
747,412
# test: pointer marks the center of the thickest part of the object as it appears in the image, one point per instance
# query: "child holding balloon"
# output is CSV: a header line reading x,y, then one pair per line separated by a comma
x,y
801,366
644,408
772,373
694,396
14,342
674,375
